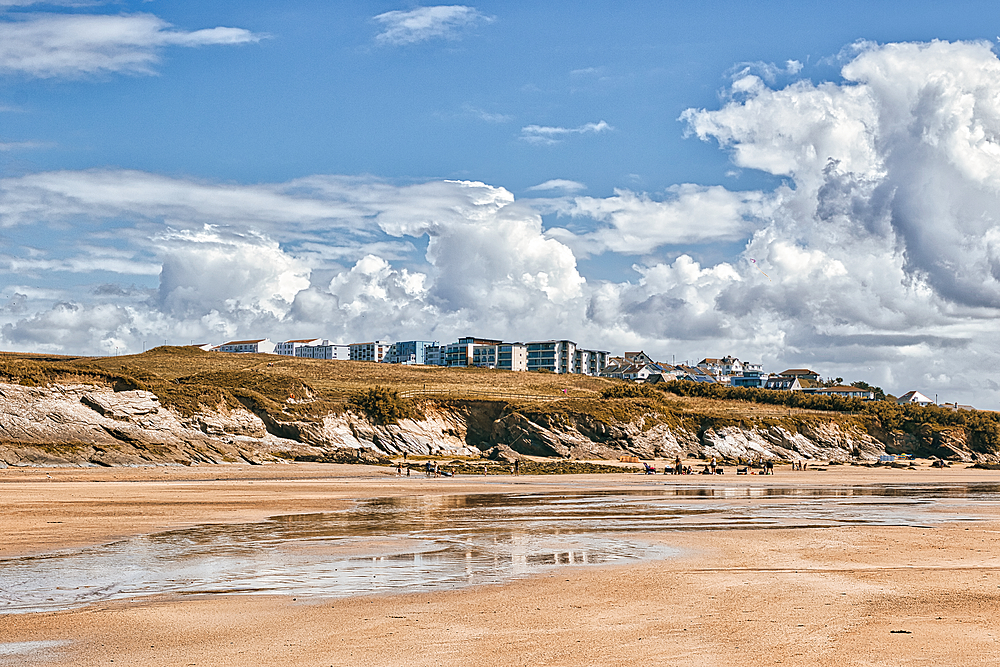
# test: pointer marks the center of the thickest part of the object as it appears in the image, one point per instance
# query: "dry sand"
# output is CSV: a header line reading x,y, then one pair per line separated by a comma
x,y
831,596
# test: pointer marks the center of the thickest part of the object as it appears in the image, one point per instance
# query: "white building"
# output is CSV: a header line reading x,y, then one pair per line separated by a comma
x,y
256,346
563,356
287,348
409,352
463,352
914,397
373,351
324,350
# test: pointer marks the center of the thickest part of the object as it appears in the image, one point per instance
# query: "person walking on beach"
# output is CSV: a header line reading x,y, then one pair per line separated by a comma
x,y
517,467
677,466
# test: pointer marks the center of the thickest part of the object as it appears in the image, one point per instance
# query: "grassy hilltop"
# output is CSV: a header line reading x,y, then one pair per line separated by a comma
x,y
187,379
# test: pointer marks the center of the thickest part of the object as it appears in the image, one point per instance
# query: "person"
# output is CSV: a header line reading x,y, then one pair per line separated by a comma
x,y
517,466
428,469
407,471
677,466
770,467
399,470
713,465
437,473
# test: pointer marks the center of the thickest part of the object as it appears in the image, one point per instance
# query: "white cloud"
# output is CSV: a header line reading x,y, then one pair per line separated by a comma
x,y
637,224
558,184
212,271
546,135
881,247
425,23
71,45
487,116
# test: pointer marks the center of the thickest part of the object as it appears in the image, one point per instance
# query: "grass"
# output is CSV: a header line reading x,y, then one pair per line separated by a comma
x,y
187,380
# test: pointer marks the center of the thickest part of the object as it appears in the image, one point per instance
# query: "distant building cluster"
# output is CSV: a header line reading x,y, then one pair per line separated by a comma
x,y
561,356
556,356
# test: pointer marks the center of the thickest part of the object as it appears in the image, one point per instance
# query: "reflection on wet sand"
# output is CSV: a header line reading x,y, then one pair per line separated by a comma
x,y
413,543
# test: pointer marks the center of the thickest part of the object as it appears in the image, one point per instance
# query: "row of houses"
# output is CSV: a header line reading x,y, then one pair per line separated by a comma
x,y
559,356
728,371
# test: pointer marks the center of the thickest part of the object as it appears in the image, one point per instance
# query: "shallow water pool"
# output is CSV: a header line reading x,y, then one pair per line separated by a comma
x,y
418,543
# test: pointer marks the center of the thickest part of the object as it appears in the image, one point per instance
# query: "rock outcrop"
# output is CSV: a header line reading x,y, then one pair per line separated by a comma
x,y
89,425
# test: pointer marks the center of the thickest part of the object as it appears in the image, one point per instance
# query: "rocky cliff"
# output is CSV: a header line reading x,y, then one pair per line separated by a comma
x,y
95,425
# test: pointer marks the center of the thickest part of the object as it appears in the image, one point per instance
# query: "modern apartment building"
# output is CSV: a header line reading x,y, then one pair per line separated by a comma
x,y
590,362
373,351
324,350
287,348
462,353
556,356
409,352
563,356
256,346
512,357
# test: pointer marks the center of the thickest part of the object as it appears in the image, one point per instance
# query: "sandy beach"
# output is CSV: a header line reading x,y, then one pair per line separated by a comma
x,y
845,595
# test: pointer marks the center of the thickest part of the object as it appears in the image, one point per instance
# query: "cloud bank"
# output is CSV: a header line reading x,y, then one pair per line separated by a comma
x,y
881,246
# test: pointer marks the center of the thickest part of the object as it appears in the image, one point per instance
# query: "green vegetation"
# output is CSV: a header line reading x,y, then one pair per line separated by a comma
x,y
381,405
983,427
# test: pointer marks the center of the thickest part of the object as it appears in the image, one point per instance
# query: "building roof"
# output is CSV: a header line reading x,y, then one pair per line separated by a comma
x,y
301,340
799,371
245,342
913,397
779,382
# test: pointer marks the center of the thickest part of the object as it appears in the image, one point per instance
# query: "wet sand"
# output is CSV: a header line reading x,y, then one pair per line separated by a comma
x,y
806,596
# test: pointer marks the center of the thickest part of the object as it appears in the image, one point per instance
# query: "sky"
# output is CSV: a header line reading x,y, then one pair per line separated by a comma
x,y
798,184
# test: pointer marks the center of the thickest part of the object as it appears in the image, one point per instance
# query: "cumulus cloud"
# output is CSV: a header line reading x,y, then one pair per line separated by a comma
x,y
426,23
881,246
211,271
71,45
904,155
548,135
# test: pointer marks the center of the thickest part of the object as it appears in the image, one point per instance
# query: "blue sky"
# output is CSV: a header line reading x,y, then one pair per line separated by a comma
x,y
605,172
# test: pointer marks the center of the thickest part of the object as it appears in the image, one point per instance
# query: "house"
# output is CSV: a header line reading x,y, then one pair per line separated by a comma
x,y
801,373
751,378
255,346
409,352
782,383
695,374
324,350
846,392
373,351
638,358
914,398
287,348
723,367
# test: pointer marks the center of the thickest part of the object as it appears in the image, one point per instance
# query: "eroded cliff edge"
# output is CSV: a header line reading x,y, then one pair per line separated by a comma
x,y
83,424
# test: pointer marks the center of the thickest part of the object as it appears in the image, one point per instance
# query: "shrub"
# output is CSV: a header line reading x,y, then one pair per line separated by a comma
x,y
381,405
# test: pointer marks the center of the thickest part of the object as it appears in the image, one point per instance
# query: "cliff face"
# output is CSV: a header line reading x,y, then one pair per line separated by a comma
x,y
88,425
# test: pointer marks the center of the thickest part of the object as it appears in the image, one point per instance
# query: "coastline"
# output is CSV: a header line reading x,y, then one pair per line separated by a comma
x,y
802,596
